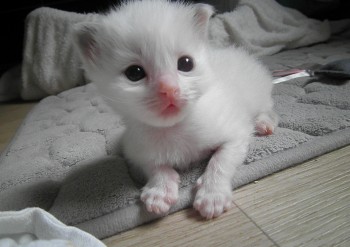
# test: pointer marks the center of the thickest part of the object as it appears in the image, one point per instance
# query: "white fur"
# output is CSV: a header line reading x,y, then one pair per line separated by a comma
x,y
223,96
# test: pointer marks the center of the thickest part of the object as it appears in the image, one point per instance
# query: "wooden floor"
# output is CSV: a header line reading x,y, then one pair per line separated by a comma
x,y
11,116
307,205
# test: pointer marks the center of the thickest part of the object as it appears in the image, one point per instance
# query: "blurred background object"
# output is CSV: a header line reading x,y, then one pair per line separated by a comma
x,y
13,13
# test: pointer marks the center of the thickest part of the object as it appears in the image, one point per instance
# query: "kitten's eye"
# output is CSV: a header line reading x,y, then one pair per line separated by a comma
x,y
185,64
135,73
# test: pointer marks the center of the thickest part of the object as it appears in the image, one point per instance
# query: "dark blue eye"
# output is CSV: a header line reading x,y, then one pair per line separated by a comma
x,y
135,73
185,64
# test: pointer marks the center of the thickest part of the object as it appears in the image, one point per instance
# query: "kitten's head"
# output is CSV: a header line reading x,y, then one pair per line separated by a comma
x,y
147,58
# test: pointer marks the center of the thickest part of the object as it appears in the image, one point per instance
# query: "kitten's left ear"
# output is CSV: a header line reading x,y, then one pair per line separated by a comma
x,y
203,12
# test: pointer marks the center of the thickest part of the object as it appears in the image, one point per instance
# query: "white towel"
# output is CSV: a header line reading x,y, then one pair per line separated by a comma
x,y
34,227
266,27
50,64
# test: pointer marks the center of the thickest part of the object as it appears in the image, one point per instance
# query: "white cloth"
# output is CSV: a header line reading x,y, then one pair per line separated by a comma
x,y
266,27
34,227
50,64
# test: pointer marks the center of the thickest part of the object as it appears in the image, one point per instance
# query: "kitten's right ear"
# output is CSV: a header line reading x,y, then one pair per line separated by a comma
x,y
85,39
203,13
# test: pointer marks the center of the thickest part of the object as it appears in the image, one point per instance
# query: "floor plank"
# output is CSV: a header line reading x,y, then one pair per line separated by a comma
x,y
11,117
186,228
308,205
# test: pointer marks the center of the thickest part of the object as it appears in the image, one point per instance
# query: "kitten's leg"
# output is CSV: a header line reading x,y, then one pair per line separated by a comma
x,y
265,123
161,190
214,194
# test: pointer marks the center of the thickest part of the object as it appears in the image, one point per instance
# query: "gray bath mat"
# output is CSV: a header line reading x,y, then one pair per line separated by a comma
x,y
63,159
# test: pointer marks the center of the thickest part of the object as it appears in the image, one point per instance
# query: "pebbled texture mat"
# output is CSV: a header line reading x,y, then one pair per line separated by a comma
x,y
64,157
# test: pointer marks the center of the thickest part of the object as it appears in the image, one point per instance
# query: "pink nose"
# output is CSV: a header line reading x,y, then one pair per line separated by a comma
x,y
169,91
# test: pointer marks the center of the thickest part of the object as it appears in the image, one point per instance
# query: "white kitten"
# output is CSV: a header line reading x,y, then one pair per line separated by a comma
x,y
180,98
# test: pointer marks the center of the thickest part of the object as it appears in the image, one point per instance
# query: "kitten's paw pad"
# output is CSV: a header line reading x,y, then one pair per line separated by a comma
x,y
211,204
266,123
158,200
264,128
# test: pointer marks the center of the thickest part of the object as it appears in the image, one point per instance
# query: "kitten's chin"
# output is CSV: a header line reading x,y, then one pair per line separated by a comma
x,y
167,122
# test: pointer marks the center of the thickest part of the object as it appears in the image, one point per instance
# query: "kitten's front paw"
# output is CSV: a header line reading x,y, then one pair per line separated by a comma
x,y
211,202
159,198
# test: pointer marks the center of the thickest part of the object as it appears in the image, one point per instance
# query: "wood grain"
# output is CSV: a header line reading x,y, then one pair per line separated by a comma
x,y
11,117
308,205
187,228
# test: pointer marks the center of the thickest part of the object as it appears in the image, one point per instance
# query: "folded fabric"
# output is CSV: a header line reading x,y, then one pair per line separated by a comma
x,y
34,227
50,64
266,27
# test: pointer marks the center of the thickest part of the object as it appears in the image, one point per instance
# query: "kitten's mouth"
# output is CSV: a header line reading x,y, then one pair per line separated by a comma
x,y
170,110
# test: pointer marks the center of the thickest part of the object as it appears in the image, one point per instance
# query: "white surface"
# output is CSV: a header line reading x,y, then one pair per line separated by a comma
x,y
34,227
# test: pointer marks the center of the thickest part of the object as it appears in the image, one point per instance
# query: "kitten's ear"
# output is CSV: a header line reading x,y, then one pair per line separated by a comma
x,y
85,39
203,12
